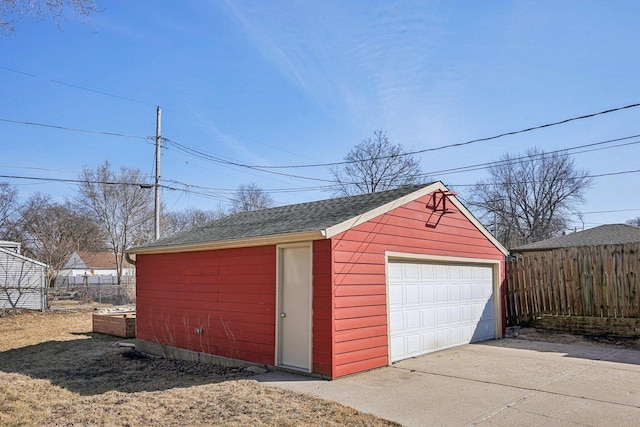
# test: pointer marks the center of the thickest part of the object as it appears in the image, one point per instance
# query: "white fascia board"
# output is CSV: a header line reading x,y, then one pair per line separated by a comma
x,y
229,244
367,216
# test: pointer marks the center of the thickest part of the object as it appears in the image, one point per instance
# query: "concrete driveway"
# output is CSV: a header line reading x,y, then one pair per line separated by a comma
x,y
506,382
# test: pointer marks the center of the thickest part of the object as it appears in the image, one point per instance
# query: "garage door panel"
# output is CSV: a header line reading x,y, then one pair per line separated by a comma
x,y
455,315
467,294
442,338
397,345
455,272
412,294
412,343
442,271
396,322
467,333
411,271
477,291
428,316
427,272
395,296
427,293
412,319
484,331
442,292
394,271
428,341
442,316
455,292
488,313
467,312
455,334
441,306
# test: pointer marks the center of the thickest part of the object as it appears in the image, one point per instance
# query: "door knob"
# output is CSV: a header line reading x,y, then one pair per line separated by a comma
x,y
283,314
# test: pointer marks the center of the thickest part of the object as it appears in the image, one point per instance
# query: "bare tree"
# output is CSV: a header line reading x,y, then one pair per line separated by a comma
x,y
635,221
174,222
12,11
375,165
122,206
529,198
9,210
51,232
250,197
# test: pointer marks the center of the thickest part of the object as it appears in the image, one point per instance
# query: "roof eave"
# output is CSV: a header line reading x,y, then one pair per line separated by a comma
x,y
24,258
229,244
355,221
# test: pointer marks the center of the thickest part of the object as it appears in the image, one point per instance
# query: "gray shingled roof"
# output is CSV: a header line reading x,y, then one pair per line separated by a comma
x,y
298,218
609,234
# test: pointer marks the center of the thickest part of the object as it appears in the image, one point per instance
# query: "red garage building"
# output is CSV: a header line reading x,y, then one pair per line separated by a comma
x,y
331,287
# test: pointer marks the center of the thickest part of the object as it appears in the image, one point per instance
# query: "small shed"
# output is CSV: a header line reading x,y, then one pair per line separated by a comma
x,y
23,281
331,287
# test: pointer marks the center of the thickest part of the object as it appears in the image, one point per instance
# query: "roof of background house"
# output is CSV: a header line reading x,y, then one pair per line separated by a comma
x,y
609,234
297,218
94,260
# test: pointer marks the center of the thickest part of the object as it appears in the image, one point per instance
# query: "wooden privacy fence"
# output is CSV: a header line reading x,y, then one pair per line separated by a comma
x,y
597,281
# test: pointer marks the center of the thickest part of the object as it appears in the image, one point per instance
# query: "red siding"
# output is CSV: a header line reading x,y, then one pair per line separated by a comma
x,y
359,291
322,308
229,293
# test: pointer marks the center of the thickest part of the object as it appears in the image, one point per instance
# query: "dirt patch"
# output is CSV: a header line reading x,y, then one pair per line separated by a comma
x,y
538,334
54,371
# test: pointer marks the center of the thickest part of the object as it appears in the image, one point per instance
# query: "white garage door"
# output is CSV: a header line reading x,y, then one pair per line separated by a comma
x,y
436,306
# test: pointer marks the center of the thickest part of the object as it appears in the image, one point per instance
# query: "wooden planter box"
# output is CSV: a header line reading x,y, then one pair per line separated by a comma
x,y
118,324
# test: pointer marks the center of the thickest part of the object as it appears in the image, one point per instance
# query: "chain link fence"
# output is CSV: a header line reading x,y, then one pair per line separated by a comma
x,y
103,290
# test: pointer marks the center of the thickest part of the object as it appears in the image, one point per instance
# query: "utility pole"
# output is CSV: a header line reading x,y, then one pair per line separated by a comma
x,y
157,186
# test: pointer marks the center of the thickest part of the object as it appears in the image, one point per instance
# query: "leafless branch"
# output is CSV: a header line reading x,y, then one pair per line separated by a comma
x,y
375,165
531,198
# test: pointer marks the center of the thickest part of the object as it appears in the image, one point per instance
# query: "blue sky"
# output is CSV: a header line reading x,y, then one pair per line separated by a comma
x,y
298,82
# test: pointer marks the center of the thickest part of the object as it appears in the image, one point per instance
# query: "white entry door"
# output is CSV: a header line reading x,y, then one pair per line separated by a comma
x,y
436,306
294,316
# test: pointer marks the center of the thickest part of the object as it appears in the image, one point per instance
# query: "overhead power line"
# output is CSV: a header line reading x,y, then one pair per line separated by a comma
x,y
201,190
209,157
487,165
332,184
611,211
262,168
459,144
600,175
99,92
96,132
461,169
37,178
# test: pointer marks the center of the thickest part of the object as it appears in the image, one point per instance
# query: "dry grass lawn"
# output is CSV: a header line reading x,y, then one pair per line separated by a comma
x,y
54,371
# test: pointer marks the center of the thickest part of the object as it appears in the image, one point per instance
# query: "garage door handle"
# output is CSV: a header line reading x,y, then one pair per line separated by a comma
x,y
283,314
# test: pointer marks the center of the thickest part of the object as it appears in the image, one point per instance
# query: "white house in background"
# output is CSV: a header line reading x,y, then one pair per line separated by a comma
x,y
92,268
23,282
